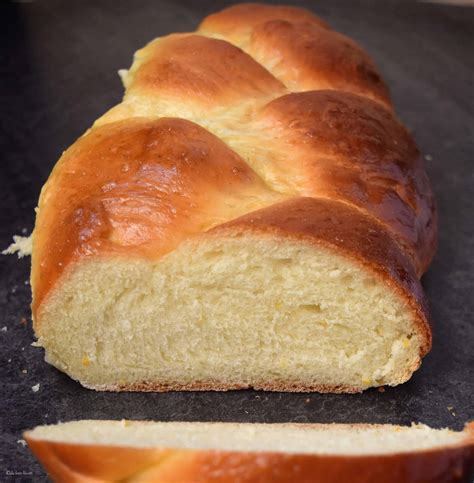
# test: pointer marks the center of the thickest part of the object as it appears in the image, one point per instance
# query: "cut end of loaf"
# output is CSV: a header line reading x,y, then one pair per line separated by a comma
x,y
229,312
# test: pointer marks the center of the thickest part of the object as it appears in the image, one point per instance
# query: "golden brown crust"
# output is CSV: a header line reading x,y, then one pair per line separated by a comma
x,y
81,463
310,57
238,21
190,68
302,51
342,146
74,463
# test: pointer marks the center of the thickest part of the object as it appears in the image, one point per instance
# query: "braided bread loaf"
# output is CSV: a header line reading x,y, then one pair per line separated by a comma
x,y
252,214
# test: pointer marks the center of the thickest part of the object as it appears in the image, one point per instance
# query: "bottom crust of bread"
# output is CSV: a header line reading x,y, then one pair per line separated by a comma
x,y
219,386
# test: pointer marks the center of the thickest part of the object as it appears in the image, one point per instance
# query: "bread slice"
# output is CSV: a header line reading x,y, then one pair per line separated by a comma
x,y
181,452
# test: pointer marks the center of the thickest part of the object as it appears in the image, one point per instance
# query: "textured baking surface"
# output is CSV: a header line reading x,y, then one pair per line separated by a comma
x,y
56,86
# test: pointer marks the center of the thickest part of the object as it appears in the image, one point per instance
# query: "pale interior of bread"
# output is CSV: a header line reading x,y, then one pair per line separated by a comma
x,y
230,310
288,438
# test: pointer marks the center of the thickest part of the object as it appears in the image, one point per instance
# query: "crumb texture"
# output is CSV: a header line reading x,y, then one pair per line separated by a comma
x,y
231,311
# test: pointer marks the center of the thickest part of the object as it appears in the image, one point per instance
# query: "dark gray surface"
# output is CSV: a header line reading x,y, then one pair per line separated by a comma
x,y
59,73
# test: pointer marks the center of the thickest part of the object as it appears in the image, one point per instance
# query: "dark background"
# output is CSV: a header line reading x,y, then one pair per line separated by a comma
x,y
58,72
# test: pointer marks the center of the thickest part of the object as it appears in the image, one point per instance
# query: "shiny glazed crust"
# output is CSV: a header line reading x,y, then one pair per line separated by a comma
x,y
84,463
344,147
308,54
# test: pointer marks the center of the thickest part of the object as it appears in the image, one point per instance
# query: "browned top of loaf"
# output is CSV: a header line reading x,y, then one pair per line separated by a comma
x,y
342,146
304,52
240,20
192,68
